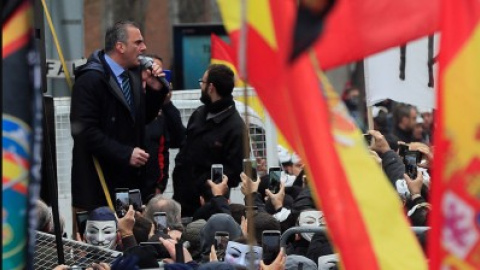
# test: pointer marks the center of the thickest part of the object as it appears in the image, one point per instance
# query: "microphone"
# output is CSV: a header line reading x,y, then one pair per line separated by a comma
x,y
147,63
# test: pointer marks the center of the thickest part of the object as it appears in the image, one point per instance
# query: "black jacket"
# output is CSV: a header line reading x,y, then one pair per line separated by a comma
x,y
103,125
218,140
163,133
393,166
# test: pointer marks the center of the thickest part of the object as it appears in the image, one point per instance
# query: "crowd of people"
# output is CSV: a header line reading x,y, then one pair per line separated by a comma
x,y
123,123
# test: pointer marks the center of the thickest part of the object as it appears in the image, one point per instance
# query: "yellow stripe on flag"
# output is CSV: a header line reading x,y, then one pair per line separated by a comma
x,y
259,17
377,201
462,88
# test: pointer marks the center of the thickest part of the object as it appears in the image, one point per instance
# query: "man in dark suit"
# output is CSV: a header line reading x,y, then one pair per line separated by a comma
x,y
109,110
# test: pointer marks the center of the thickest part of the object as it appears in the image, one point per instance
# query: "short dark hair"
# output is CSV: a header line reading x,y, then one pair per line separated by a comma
x,y
222,77
262,222
400,111
117,32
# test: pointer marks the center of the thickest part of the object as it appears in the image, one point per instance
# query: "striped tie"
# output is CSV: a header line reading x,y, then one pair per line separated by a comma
x,y
126,88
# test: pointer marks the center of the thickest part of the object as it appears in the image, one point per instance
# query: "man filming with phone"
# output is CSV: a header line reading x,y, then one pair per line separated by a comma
x,y
215,133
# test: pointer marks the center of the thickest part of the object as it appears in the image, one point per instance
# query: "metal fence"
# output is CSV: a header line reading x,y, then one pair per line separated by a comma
x,y
75,253
186,101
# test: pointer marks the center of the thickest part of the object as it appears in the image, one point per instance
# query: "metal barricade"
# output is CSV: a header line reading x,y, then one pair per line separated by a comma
x,y
294,230
76,254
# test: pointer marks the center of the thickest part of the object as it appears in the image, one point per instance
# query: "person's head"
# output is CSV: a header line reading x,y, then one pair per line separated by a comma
x,y
351,97
45,219
217,82
218,222
124,43
427,117
239,255
405,117
192,235
310,218
264,222
237,210
101,228
143,229
159,203
418,130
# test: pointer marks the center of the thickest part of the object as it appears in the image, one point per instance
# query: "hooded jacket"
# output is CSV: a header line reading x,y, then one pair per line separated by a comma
x,y
104,126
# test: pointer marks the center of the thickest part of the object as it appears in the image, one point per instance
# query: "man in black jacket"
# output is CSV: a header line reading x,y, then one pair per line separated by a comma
x,y
109,110
215,133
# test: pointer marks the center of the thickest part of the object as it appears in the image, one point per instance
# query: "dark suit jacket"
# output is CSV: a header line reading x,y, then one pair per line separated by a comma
x,y
104,126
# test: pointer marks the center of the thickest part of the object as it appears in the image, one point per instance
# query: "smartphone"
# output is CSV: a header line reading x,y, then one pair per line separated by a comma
x,y
121,201
402,149
160,219
270,245
221,241
217,173
411,159
135,199
368,139
250,168
82,217
168,75
274,179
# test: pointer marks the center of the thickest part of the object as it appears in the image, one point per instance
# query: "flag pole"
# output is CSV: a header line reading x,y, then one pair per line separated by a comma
x,y
243,73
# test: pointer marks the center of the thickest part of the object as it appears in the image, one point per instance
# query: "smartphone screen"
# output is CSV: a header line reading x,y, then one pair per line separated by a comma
x,y
121,201
135,199
217,173
410,160
274,183
402,149
221,241
82,217
160,219
250,168
270,245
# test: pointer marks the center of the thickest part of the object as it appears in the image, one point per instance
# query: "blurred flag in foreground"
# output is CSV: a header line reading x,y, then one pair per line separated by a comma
x,y
354,29
364,215
22,134
454,242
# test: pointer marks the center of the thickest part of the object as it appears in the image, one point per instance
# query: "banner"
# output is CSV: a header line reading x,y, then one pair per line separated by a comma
x,y
405,74
21,137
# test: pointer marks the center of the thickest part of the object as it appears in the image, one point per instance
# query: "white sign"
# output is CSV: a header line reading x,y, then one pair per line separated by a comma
x,y
54,67
405,74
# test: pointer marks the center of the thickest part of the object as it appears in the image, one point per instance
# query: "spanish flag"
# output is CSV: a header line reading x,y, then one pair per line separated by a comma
x,y
454,242
364,214
221,53
357,28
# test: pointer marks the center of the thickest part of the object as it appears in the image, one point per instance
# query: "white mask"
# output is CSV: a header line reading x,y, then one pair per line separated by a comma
x,y
101,233
238,254
313,219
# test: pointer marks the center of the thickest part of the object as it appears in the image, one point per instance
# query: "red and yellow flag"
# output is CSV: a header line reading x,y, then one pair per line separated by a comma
x,y
364,214
221,53
357,28
454,242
